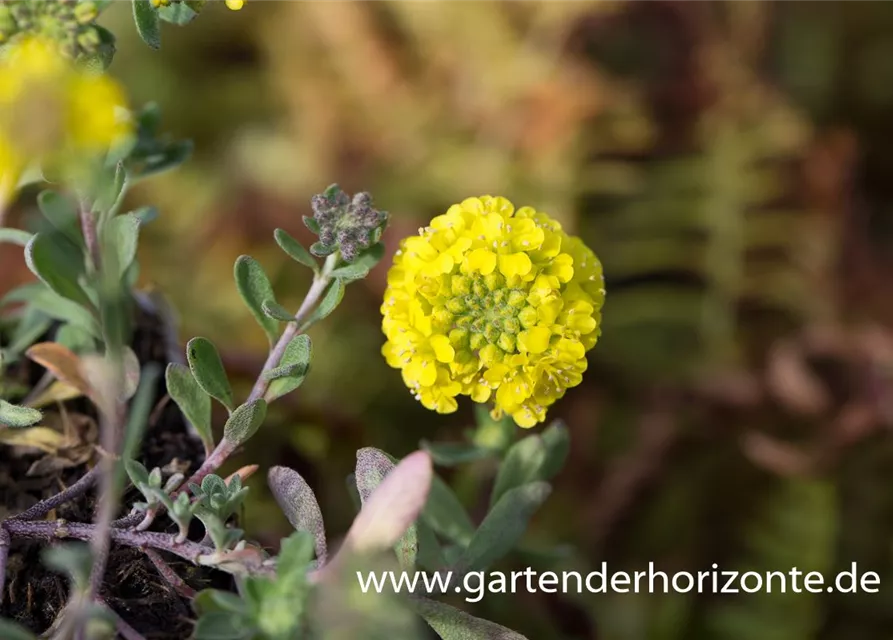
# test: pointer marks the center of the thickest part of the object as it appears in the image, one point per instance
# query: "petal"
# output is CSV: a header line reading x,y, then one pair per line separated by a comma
x,y
515,264
480,260
443,350
535,339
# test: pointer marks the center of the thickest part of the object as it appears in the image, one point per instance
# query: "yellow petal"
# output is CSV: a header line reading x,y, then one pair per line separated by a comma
x,y
443,350
480,260
535,339
515,264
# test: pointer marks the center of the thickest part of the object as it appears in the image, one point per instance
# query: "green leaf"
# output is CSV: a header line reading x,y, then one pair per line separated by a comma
x,y
312,224
254,287
451,454
334,295
167,156
209,600
298,502
206,366
15,236
293,368
145,214
147,23
503,526
430,555
9,630
557,439
522,464
59,264
295,553
75,338
124,233
245,421
62,214
137,472
195,404
100,59
13,415
322,250
38,296
295,249
371,256
179,14
273,309
74,559
351,272
222,625
453,624
445,514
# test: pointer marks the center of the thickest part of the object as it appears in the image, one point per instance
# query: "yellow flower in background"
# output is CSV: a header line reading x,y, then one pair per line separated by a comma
x,y
494,303
235,5
52,111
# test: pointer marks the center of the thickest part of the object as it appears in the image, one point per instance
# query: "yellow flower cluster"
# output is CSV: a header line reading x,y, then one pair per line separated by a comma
x,y
494,303
53,111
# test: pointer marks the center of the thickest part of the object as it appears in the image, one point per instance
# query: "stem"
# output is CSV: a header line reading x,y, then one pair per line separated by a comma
x,y
167,572
126,631
79,488
225,448
59,529
91,238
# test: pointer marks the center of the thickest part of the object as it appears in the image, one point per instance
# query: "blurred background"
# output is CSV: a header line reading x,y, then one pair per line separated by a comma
x,y
731,165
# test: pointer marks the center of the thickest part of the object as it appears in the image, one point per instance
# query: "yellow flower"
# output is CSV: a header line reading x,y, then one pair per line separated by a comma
x,y
235,5
52,111
494,303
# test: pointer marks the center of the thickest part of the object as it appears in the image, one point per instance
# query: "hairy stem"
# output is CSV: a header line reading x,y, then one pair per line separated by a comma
x,y
79,488
61,530
91,237
168,573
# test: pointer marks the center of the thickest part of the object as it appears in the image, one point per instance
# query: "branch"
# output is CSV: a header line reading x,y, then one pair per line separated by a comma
x,y
79,488
88,228
4,557
167,572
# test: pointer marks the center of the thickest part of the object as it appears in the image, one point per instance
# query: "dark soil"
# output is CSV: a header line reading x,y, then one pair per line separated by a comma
x,y
133,588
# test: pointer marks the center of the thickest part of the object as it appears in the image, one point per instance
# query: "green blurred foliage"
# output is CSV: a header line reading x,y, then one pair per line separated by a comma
x,y
729,162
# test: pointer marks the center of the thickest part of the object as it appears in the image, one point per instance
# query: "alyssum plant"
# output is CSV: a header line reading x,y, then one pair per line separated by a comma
x,y
488,301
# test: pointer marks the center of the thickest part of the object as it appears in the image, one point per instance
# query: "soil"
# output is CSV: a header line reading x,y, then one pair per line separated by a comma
x,y
133,588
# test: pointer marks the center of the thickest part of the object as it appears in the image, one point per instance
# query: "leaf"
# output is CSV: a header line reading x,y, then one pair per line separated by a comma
x,y
254,287
147,23
15,416
75,338
9,630
445,514
298,502
351,272
38,296
206,366
557,439
292,369
371,256
522,464
137,472
327,305
276,311
192,400
210,600
322,250
393,506
450,454
124,231
64,365
245,421
140,407
61,213
47,440
453,624
295,250
59,264
15,236
145,214
74,559
430,555
503,526
222,625
179,14
311,223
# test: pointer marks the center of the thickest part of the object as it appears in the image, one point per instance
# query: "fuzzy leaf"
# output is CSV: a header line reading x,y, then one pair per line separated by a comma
x,y
558,445
454,624
276,311
137,472
147,23
298,502
322,250
124,231
59,263
312,224
61,213
351,272
292,369
179,14
245,421
15,236
522,464
15,416
370,257
503,526
254,287
327,305
192,400
450,454
40,297
295,249
445,514
393,506
206,366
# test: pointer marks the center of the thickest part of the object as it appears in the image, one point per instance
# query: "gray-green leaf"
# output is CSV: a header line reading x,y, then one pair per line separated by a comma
x,y
254,287
558,445
245,421
292,369
193,401
327,305
503,526
450,454
123,233
61,213
178,14
147,23
522,464
351,272
453,624
59,263
294,249
12,415
276,311
206,366
298,502
222,625
15,236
